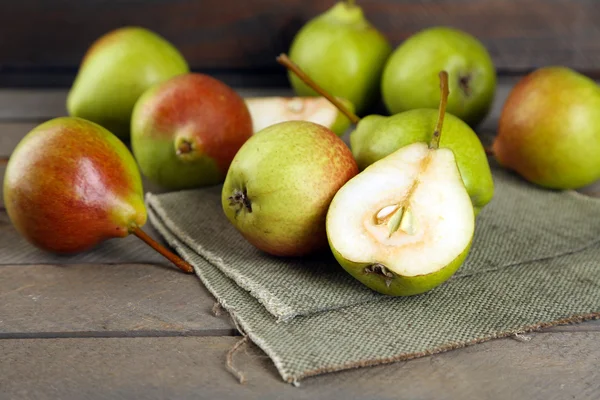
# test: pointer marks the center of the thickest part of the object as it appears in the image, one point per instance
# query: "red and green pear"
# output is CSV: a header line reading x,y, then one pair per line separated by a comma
x,y
71,184
114,73
186,131
280,184
549,129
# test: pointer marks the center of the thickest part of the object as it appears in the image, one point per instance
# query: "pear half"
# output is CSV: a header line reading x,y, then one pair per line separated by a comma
x,y
405,224
267,111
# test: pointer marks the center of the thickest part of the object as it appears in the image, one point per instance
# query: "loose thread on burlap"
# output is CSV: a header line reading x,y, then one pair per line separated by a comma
x,y
236,347
230,367
217,310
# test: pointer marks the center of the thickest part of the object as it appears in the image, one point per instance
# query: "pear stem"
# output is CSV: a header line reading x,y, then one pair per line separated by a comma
x,y
4,161
435,140
284,60
178,261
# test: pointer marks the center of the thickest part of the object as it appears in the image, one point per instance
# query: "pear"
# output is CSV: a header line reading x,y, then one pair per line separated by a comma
x,y
114,73
267,111
280,183
410,76
344,53
405,224
377,136
185,131
71,184
549,129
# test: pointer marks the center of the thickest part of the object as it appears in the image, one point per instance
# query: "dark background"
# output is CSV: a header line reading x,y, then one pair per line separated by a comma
x,y
43,41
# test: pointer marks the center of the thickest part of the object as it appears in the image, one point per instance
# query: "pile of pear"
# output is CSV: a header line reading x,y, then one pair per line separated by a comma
x,y
396,207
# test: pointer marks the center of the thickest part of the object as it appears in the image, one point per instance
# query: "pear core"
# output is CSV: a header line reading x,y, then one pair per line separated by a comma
x,y
408,214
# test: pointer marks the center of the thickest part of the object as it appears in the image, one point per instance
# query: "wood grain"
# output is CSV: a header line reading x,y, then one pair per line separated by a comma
x,y
245,36
105,301
549,366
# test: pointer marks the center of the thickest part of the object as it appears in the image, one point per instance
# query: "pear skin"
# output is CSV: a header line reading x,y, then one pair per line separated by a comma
x,y
549,129
280,184
114,73
185,131
71,184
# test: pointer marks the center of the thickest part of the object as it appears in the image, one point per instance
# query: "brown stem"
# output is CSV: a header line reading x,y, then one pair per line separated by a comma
x,y
4,161
435,140
284,60
180,263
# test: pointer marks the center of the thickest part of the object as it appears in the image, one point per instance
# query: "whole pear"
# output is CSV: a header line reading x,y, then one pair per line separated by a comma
x,y
71,184
186,130
410,76
549,129
280,184
343,53
376,137
114,73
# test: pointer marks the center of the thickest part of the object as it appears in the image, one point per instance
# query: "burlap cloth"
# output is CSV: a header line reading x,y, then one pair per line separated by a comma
x,y
535,262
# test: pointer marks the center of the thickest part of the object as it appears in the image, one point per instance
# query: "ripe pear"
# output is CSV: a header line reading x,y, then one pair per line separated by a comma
x,y
376,137
549,129
267,111
405,224
114,73
71,184
343,53
410,76
186,130
280,184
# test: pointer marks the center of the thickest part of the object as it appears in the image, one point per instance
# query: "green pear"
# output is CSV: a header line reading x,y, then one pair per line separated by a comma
x,y
280,183
405,224
71,184
410,76
185,131
343,53
549,129
377,136
267,111
114,73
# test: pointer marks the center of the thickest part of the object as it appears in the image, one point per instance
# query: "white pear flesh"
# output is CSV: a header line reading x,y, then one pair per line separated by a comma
x,y
424,181
267,111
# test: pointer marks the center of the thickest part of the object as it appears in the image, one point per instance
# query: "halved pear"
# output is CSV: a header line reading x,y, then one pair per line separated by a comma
x,y
267,111
405,224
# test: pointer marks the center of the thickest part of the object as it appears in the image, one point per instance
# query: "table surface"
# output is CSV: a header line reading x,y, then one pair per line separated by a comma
x,y
111,331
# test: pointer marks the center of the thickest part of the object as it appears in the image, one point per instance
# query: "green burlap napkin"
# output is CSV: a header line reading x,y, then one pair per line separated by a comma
x,y
535,261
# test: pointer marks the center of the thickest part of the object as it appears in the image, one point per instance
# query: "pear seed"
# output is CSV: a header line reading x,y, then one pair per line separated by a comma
x,y
385,212
407,224
395,221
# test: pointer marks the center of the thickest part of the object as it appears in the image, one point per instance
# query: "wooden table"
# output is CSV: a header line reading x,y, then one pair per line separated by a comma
x,y
146,331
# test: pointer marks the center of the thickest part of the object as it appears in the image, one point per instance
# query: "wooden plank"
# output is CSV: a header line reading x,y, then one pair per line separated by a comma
x,y
248,35
549,366
22,109
11,134
105,301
